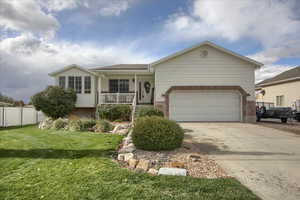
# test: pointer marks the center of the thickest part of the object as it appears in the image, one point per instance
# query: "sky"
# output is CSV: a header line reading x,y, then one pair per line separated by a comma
x,y
41,36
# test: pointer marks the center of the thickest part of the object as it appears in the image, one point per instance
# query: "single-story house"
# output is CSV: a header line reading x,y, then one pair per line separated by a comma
x,y
283,90
205,82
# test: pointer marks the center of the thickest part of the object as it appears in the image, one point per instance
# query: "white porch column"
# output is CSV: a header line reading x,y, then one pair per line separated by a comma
x,y
135,83
99,89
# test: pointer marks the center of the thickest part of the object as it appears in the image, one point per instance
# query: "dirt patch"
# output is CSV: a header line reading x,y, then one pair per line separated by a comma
x,y
292,127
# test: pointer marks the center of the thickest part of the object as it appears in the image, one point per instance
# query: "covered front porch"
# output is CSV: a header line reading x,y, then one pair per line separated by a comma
x,y
125,88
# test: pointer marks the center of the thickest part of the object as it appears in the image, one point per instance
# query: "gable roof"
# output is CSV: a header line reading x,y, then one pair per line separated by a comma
x,y
73,66
289,75
122,67
257,64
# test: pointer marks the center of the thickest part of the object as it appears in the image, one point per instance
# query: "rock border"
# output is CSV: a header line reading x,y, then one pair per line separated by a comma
x,y
185,161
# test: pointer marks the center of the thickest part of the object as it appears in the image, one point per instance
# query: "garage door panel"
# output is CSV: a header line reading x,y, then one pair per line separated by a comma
x,y
204,106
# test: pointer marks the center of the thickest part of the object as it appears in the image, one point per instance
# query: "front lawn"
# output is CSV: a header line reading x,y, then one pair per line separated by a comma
x,y
36,164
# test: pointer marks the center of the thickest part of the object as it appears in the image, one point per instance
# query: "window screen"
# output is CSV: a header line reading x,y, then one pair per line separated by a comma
x,y
71,82
78,84
87,84
113,86
121,86
62,81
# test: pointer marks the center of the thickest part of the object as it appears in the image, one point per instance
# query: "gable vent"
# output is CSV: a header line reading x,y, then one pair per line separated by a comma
x,y
203,53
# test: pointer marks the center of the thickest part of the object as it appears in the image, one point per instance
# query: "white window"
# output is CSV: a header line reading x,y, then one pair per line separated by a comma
x,y
75,83
87,84
119,85
62,81
279,100
78,84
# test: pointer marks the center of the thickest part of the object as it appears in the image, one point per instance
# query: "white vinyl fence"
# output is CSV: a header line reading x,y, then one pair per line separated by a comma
x,y
19,116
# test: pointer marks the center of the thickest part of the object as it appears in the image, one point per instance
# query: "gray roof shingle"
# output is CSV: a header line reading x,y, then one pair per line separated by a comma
x,y
122,67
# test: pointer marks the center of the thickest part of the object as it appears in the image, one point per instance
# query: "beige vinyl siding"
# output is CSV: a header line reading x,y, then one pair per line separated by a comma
x,y
83,100
218,68
289,91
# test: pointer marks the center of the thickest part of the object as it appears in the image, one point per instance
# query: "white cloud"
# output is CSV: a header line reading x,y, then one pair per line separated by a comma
x,y
269,71
274,23
26,60
102,7
26,16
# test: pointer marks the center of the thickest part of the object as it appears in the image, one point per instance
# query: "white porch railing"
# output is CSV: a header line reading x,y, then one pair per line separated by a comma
x,y
116,98
133,108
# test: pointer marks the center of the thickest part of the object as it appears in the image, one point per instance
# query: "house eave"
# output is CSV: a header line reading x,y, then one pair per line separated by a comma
x,y
278,82
254,62
55,73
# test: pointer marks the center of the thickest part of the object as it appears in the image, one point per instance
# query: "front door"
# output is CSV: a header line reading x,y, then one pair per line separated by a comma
x,y
145,91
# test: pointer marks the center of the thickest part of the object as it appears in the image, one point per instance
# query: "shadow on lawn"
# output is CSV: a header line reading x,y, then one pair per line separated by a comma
x,y
53,153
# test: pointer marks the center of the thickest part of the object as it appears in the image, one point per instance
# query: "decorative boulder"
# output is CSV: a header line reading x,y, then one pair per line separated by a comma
x,y
46,123
172,171
121,129
153,171
143,165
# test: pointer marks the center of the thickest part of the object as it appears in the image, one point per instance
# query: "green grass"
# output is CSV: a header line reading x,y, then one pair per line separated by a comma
x,y
36,164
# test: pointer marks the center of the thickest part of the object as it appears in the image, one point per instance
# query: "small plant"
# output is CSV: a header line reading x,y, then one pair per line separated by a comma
x,y
157,133
103,126
87,124
115,112
60,124
144,112
75,125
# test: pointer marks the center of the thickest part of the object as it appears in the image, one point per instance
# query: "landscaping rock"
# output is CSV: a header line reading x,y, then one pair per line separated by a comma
x,y
46,123
172,171
127,141
121,157
119,129
127,149
194,158
132,163
122,132
177,164
143,164
128,156
152,171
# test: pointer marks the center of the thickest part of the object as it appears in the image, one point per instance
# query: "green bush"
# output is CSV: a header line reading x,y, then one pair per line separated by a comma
x,y
115,112
104,126
55,101
87,124
60,124
75,125
156,133
144,112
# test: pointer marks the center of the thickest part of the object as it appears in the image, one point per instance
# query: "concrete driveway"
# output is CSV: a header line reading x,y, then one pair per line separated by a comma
x,y
266,160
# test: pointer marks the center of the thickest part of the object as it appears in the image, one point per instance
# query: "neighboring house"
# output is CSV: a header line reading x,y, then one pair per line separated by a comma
x,y
283,90
203,83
